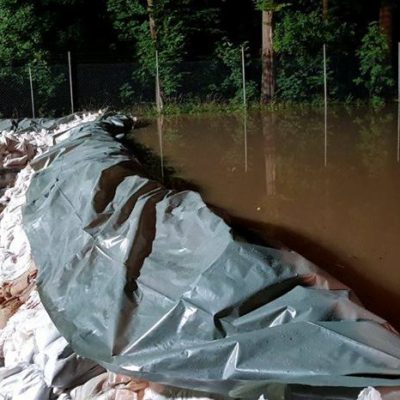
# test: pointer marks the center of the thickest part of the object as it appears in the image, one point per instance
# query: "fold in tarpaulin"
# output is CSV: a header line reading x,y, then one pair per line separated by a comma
x,y
149,282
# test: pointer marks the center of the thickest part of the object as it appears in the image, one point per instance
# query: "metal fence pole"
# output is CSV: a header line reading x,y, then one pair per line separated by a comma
x,y
398,102
244,80
159,102
325,110
32,95
160,124
71,90
245,141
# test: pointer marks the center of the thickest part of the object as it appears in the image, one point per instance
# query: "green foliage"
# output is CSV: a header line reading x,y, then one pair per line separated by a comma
x,y
32,31
21,44
376,75
45,82
230,57
131,19
270,5
174,23
127,94
298,42
19,35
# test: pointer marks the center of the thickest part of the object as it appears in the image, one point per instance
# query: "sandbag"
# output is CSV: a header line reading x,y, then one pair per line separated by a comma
x,y
149,282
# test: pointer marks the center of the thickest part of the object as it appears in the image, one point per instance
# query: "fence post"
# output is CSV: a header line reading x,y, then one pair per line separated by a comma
x,y
325,110
32,95
159,102
398,102
245,141
160,125
71,90
244,80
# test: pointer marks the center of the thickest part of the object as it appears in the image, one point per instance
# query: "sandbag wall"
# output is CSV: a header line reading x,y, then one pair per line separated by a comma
x,y
150,283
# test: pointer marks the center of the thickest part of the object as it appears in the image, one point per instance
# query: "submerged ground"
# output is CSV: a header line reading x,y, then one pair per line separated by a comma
x,y
335,198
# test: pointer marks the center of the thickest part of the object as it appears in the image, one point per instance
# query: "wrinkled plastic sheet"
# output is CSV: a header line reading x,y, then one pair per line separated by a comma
x,y
35,124
149,282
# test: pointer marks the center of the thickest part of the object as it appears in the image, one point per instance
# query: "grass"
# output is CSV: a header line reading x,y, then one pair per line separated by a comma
x,y
217,107
196,108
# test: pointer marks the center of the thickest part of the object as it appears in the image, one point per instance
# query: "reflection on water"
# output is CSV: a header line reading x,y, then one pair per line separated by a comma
x,y
334,198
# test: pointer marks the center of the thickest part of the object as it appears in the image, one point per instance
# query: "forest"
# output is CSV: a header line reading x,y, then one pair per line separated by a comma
x,y
199,48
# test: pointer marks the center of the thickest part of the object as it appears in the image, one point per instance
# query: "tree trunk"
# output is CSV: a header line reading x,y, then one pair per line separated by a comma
x,y
386,20
325,9
153,35
152,22
267,80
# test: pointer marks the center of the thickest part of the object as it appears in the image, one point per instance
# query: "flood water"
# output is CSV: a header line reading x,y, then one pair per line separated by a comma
x,y
334,198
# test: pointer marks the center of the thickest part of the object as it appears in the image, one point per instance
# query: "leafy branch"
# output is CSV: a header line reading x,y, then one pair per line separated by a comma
x,y
270,5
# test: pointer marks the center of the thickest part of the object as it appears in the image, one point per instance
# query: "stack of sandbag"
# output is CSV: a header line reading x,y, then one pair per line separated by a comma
x,y
35,358
18,146
36,362
16,150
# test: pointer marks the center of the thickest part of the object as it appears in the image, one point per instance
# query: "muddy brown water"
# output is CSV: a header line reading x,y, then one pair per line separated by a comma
x,y
335,199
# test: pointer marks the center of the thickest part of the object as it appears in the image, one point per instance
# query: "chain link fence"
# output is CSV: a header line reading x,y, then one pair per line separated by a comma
x,y
119,86
123,86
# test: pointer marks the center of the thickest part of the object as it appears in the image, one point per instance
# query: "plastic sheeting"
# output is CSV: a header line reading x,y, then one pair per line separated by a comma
x,y
35,360
150,283
36,363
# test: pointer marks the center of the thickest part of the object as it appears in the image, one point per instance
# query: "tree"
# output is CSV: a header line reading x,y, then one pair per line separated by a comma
x,y
148,26
152,22
21,44
268,80
230,86
298,41
386,20
153,35
325,8
165,25
20,34
81,27
376,75
267,7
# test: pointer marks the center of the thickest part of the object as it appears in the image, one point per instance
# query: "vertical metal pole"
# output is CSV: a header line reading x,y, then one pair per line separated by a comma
x,y
32,96
244,109
160,123
158,89
245,140
325,110
71,90
244,80
398,104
